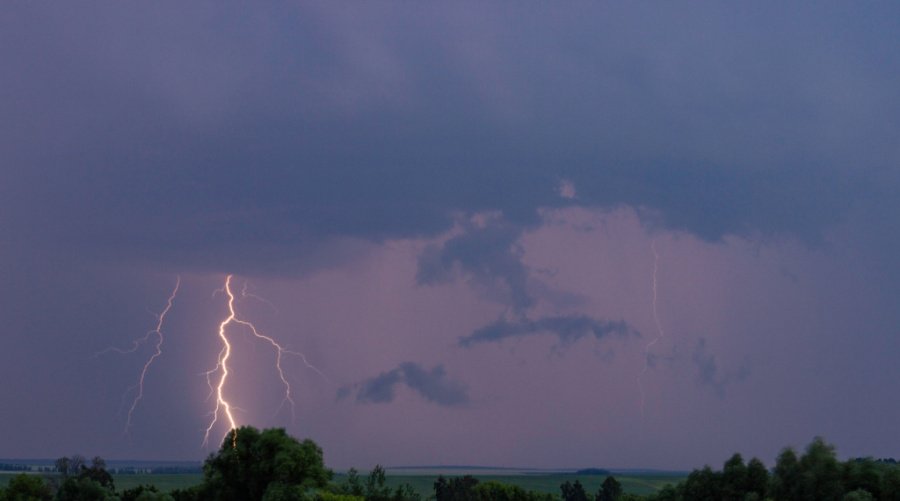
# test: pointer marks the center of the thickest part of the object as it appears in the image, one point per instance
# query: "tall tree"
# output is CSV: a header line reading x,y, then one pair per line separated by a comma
x,y
573,492
610,490
252,462
786,476
820,473
757,478
734,478
703,484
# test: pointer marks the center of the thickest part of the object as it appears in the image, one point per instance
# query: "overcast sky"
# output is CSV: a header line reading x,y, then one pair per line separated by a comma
x,y
512,234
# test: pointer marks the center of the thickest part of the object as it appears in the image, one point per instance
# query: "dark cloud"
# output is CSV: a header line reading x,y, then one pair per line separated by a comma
x,y
485,255
263,141
567,328
708,373
432,385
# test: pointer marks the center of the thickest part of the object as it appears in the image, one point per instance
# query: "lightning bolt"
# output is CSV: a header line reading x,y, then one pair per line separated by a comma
x,y
157,333
660,333
223,406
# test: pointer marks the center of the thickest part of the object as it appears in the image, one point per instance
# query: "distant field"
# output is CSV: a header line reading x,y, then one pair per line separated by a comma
x,y
541,482
163,482
634,483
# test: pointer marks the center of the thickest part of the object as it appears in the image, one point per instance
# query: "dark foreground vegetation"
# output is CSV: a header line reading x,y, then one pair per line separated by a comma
x,y
270,465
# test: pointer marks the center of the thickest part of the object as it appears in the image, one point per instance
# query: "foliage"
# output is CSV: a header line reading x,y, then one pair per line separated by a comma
x,y
374,489
330,496
573,492
272,466
757,479
352,485
84,489
250,462
188,494
611,490
490,491
455,489
820,478
24,487
858,495
145,493
786,477
890,484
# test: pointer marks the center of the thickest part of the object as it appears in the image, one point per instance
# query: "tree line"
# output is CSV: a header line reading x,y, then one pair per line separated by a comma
x,y
270,465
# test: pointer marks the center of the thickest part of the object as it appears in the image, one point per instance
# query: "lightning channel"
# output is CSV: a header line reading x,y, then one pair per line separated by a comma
x,y
223,406
156,333
222,368
660,333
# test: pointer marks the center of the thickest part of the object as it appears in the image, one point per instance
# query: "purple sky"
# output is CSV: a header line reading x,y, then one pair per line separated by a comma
x,y
455,212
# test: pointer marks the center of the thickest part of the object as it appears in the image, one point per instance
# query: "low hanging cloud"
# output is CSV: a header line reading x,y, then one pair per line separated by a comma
x,y
433,385
708,373
567,328
489,256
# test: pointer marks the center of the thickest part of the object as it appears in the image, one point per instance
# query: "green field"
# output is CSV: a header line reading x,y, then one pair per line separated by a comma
x,y
423,483
541,482
163,482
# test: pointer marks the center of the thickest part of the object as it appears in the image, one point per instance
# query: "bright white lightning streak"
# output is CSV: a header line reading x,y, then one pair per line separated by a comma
x,y
157,332
660,333
222,366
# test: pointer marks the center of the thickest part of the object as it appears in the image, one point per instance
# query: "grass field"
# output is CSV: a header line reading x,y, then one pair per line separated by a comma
x,y
542,482
163,482
424,483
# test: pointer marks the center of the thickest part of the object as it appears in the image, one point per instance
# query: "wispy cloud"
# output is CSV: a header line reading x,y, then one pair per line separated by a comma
x,y
567,328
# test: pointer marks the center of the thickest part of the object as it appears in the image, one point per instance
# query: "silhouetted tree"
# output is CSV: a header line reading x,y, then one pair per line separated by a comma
x,y
83,489
786,476
890,484
145,493
455,488
703,484
496,491
757,478
352,485
734,478
376,490
863,473
573,492
610,490
252,462
25,487
97,472
62,466
820,473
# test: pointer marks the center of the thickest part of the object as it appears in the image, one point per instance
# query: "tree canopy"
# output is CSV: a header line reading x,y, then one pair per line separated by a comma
x,y
252,465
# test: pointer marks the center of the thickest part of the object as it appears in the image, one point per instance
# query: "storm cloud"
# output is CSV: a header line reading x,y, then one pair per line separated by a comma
x,y
432,385
181,146
485,255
